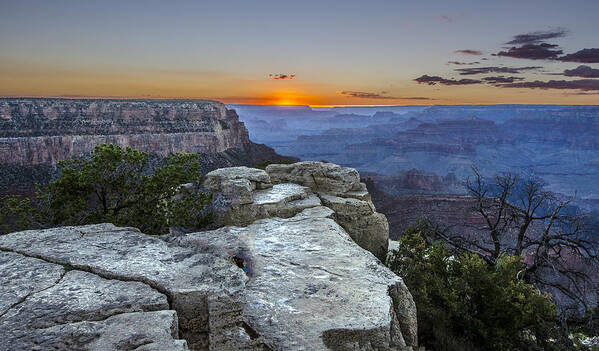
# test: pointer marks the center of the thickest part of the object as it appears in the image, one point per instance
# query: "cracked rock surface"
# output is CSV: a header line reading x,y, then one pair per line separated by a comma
x,y
311,287
184,276
340,189
292,274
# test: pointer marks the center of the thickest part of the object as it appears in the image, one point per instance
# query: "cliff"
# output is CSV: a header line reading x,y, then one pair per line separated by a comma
x,y
290,275
38,131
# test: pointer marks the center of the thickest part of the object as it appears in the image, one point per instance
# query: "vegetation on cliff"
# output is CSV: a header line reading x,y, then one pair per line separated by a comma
x,y
116,185
464,303
516,216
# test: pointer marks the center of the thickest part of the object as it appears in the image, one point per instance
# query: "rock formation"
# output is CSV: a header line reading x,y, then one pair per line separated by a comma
x,y
37,133
288,278
299,186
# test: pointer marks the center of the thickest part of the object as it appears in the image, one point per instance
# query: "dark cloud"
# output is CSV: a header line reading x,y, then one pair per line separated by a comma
x,y
583,72
580,84
281,76
368,95
458,63
495,69
433,80
536,37
583,56
543,51
468,52
364,95
501,79
582,93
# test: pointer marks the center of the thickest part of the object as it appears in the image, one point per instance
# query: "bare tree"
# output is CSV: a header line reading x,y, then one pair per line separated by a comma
x,y
521,218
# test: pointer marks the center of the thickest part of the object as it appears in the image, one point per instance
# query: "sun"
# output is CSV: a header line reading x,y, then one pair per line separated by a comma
x,y
289,98
286,101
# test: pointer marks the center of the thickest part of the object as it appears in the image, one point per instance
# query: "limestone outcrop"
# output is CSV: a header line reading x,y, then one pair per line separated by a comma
x,y
339,188
237,182
320,176
286,276
250,195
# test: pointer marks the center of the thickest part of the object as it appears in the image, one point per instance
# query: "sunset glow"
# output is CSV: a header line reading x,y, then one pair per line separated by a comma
x,y
293,53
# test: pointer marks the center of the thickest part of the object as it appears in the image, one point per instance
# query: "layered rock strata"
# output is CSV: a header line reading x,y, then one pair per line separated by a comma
x,y
290,279
42,131
37,133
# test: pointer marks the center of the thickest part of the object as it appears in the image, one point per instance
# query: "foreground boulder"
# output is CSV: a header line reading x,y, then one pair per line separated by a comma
x,y
288,277
237,182
251,195
339,188
320,176
120,255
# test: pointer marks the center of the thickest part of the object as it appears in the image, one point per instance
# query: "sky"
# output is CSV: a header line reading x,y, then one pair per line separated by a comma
x,y
318,53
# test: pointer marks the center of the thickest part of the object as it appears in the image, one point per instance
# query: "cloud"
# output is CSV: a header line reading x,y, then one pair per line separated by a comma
x,y
582,93
367,95
495,69
468,52
446,19
536,37
542,51
580,84
364,95
417,98
281,76
583,56
458,63
582,71
501,79
433,80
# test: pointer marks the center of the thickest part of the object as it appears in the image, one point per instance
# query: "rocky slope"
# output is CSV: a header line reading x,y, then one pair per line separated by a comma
x,y
286,276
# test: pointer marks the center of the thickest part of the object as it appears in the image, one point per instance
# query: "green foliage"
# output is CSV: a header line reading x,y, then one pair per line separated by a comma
x,y
464,303
119,186
16,213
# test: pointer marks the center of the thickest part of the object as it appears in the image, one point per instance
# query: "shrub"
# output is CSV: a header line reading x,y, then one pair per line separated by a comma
x,y
116,185
464,303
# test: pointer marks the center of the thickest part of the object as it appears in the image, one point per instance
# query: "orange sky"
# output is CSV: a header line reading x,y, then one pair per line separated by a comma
x,y
26,79
340,53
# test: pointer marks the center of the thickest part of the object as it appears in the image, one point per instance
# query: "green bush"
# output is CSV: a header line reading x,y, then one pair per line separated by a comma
x,y
116,185
464,303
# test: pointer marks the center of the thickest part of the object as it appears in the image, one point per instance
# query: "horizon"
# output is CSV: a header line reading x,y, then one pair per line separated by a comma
x,y
340,53
275,104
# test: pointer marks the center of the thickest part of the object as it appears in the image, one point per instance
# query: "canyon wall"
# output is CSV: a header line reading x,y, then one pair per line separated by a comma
x,y
37,133
44,131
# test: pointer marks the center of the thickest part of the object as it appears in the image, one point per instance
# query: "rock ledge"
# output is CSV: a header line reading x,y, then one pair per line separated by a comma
x,y
293,269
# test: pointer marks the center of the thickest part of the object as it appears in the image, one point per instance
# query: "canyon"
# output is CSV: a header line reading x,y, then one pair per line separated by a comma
x,y
430,150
